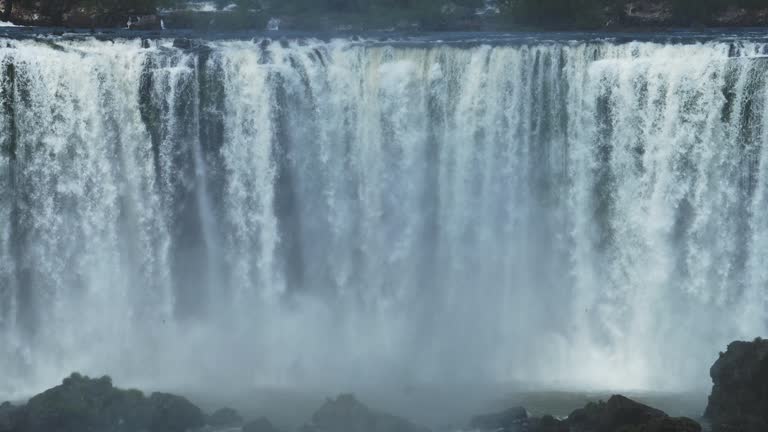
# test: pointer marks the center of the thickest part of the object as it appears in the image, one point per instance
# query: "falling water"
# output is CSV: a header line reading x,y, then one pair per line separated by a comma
x,y
303,212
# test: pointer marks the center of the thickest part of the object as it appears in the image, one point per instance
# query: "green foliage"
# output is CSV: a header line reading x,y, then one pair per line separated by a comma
x,y
555,13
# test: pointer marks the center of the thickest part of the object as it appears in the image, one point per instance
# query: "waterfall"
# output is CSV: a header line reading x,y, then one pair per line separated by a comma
x,y
306,212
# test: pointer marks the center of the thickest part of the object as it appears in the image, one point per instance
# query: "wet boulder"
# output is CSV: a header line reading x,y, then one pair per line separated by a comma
x,y
84,404
224,417
739,399
260,425
347,414
171,413
621,414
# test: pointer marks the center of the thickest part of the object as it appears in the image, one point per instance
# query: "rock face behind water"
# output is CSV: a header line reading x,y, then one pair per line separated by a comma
x,y
82,404
739,399
347,414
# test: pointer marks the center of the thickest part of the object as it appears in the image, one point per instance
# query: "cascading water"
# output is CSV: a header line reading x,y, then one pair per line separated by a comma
x,y
304,212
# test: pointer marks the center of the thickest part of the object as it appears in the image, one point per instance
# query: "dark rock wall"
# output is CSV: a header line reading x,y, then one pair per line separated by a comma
x,y
739,399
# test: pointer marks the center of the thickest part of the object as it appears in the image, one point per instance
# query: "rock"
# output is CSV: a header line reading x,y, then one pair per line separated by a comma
x,y
609,416
547,424
171,413
80,404
182,43
509,420
260,425
7,417
619,414
225,417
516,420
739,399
347,414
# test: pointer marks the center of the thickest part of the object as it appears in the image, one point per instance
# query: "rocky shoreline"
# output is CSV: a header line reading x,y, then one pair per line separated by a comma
x,y
738,403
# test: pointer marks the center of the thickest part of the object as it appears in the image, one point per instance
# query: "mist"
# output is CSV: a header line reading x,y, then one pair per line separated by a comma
x,y
390,218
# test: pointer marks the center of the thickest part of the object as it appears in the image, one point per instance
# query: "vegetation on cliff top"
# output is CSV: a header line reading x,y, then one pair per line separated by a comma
x,y
556,13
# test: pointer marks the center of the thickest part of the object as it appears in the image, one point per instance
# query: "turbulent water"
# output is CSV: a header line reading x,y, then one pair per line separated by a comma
x,y
315,213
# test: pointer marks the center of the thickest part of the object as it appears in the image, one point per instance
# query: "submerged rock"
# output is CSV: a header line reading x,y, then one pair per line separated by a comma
x,y
225,417
347,414
260,425
739,399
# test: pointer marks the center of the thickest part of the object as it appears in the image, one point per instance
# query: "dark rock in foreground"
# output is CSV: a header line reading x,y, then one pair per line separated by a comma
x,y
260,425
739,399
171,413
7,413
82,404
608,416
224,417
618,414
347,414
621,414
